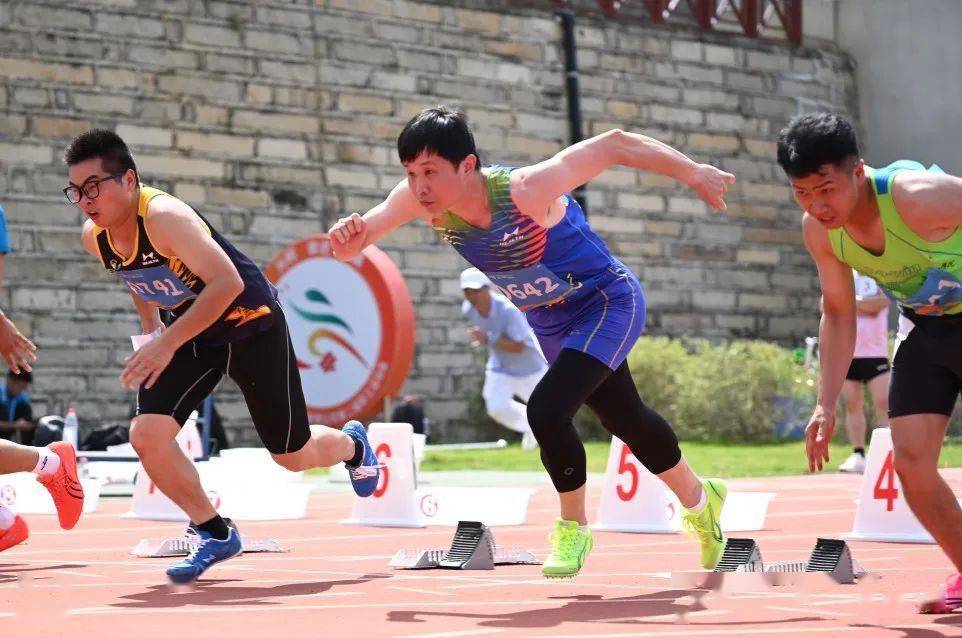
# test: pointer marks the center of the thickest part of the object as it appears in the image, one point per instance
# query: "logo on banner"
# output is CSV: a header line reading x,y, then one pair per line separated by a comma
x,y
351,324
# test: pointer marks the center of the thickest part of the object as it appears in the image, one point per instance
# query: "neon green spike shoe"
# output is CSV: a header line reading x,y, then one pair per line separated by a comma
x,y
705,524
569,549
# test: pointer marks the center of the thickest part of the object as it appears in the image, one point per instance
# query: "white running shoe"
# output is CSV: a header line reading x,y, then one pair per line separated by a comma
x,y
854,464
528,442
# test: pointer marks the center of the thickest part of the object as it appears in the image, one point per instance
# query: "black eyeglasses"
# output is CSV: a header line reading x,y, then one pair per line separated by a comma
x,y
90,188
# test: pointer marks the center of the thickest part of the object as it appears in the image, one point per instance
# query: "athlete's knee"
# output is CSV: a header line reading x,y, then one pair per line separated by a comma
x,y
546,413
149,431
913,466
658,448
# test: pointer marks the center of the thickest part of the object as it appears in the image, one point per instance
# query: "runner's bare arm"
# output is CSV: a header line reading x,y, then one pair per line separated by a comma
x,y
352,234
837,329
933,200
534,188
836,339
175,229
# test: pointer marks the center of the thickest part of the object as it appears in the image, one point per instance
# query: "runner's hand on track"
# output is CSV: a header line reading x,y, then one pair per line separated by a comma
x,y
818,434
347,236
17,350
711,184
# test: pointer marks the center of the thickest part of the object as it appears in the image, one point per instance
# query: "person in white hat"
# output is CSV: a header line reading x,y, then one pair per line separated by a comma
x,y
515,363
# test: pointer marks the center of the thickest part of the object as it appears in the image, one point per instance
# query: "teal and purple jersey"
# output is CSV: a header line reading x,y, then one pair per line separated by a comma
x,y
573,292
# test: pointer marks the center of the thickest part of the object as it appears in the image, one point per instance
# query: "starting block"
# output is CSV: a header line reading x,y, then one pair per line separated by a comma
x,y
473,547
830,556
168,547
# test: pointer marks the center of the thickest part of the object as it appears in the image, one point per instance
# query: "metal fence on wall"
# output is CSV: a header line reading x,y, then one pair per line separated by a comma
x,y
779,20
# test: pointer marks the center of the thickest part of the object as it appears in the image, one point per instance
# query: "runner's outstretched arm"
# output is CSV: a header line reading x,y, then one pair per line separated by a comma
x,y
352,234
534,188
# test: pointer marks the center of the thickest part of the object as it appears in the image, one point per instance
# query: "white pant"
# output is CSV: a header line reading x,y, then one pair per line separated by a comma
x,y
499,391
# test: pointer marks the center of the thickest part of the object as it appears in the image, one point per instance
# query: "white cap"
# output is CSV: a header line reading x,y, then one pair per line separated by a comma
x,y
473,279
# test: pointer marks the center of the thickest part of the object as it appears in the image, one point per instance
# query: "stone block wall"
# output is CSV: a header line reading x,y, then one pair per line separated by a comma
x,y
274,118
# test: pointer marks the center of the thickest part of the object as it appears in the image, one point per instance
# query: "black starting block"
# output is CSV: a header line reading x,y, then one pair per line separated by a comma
x,y
741,555
834,557
830,556
473,547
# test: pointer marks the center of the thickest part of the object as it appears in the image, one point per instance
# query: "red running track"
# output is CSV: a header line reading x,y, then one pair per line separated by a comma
x,y
336,581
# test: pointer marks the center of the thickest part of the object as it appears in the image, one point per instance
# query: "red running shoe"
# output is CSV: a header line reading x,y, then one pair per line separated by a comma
x,y
948,600
15,535
64,486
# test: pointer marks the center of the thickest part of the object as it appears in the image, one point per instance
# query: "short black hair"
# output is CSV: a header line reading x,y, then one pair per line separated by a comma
x,y
102,143
23,375
811,140
440,129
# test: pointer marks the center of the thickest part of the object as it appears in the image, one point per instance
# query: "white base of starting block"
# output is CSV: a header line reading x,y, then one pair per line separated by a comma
x,y
743,512
446,506
24,495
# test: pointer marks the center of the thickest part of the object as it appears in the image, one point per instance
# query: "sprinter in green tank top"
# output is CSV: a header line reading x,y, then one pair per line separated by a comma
x,y
902,226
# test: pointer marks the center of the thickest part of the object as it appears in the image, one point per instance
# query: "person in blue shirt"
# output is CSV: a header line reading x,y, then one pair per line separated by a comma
x,y
4,241
515,364
16,412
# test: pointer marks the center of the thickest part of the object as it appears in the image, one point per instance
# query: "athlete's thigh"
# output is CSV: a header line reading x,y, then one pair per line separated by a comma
x,y
180,388
616,400
923,380
918,437
265,368
568,383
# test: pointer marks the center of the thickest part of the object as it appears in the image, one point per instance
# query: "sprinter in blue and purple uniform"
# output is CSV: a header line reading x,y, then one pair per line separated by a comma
x,y
521,228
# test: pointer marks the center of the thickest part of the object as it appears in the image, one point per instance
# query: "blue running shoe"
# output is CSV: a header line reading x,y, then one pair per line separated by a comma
x,y
207,552
364,477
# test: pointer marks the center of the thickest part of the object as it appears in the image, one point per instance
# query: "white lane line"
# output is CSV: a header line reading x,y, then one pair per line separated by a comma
x,y
423,591
457,634
418,604
803,610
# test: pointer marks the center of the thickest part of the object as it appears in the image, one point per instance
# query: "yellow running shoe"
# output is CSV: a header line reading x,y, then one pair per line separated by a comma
x,y
705,524
569,548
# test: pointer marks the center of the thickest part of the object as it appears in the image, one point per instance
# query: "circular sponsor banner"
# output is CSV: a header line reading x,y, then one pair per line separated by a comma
x,y
352,326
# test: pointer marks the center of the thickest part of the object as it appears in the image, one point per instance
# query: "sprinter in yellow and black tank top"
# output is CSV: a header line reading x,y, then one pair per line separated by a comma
x,y
902,226
226,320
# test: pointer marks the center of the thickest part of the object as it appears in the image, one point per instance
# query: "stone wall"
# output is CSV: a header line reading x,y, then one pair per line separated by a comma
x,y
274,118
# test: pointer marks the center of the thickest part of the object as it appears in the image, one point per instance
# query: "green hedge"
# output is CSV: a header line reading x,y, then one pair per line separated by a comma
x,y
735,391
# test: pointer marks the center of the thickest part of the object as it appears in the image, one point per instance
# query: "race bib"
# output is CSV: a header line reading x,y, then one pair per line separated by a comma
x,y
530,287
157,285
